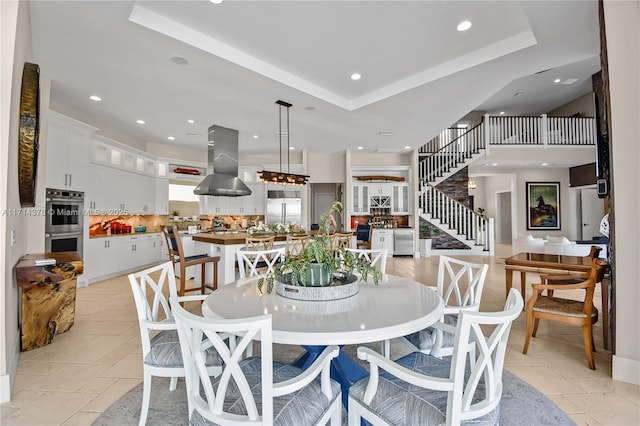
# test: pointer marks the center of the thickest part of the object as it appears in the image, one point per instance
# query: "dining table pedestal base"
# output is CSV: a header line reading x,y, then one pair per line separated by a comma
x,y
344,370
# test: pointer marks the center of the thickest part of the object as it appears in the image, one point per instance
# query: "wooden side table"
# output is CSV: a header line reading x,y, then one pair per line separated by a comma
x,y
48,296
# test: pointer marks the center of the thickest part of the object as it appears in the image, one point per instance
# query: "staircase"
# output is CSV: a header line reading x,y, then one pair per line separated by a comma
x,y
456,148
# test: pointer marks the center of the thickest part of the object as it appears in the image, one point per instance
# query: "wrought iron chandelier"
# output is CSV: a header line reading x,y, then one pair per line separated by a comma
x,y
282,177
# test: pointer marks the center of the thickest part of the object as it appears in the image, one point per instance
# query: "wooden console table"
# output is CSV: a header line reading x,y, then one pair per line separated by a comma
x,y
48,296
553,263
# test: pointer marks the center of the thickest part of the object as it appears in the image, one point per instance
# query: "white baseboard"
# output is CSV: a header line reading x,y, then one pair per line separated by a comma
x,y
7,380
626,370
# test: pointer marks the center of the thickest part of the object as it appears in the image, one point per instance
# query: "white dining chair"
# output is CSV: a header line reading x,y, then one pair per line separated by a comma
x,y
377,257
460,285
161,353
422,389
253,263
254,390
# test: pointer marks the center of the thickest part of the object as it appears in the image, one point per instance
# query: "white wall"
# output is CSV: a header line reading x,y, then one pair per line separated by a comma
x,y
325,168
622,23
15,51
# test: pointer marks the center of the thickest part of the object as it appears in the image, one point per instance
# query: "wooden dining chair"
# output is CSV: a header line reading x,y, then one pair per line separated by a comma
x,y
259,243
340,239
577,310
178,258
295,244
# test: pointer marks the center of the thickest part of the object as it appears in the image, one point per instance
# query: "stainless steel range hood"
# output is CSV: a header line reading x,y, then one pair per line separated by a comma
x,y
222,166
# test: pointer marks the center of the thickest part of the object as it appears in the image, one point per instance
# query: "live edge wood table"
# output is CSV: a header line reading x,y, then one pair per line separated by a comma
x,y
48,296
553,263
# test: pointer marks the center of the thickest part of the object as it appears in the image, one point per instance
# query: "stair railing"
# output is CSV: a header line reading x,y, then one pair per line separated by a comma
x,y
456,217
435,164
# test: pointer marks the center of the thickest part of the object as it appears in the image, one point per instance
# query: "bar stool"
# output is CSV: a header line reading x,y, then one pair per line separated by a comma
x,y
176,254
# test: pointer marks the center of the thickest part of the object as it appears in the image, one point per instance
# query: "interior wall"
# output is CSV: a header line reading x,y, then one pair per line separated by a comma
x,y
324,168
622,25
15,50
584,105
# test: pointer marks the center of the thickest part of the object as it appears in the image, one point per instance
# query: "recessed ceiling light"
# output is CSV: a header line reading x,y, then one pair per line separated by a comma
x,y
494,164
141,122
544,164
385,133
171,138
355,76
407,147
518,94
464,25
192,134
557,80
216,1
255,136
291,148
95,98
179,60
570,81
360,147
310,108
190,121
501,112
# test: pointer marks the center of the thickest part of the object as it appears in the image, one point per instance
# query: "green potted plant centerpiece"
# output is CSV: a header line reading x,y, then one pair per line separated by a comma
x,y
319,264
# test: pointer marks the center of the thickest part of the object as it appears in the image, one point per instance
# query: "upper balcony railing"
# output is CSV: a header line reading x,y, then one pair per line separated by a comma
x,y
539,131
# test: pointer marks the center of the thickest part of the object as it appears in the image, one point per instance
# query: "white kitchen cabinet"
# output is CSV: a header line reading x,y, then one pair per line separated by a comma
x,y
107,257
257,202
99,256
68,144
214,205
162,196
382,239
400,199
360,199
114,191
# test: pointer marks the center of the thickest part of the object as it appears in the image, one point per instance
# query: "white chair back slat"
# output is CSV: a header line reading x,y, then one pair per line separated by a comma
x,y
253,263
192,329
460,283
377,257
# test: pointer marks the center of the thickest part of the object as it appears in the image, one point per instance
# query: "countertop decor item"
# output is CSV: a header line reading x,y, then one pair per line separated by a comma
x,y
140,229
318,262
28,134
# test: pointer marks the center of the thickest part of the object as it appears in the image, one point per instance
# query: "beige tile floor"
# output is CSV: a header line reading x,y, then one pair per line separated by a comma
x,y
83,371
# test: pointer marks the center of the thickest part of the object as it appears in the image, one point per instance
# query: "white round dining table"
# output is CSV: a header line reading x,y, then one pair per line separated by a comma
x,y
396,307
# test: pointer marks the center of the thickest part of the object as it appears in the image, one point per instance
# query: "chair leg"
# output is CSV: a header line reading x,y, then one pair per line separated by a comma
x,y
588,345
386,348
183,279
173,383
527,336
202,275
535,327
146,396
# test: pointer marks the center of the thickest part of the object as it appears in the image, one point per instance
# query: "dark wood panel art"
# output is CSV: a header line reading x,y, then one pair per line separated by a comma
x,y
48,296
28,134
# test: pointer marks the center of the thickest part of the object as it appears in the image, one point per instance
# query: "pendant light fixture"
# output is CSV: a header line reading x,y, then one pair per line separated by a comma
x,y
282,177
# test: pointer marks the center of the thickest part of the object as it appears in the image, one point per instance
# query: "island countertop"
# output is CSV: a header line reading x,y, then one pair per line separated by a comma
x,y
230,238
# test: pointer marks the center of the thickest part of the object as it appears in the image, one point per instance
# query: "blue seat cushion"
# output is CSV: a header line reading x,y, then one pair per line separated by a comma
x,y
165,351
195,257
402,404
424,339
303,407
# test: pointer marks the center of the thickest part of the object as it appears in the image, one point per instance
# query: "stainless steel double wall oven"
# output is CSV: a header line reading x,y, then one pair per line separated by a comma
x,y
64,221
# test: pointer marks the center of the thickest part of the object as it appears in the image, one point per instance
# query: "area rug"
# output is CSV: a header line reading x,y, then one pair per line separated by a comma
x,y
521,404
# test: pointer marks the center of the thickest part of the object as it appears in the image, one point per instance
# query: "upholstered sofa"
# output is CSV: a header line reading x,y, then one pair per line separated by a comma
x,y
554,245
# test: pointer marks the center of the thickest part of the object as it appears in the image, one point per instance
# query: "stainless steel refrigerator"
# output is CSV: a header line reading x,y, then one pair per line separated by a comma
x,y
284,206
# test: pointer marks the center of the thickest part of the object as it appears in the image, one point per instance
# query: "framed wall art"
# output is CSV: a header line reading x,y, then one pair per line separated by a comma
x,y
543,206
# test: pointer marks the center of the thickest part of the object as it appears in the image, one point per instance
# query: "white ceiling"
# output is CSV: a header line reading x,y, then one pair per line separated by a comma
x,y
419,74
